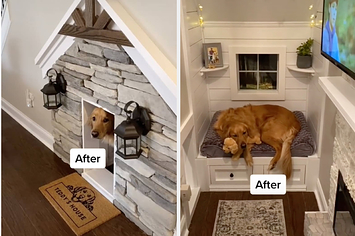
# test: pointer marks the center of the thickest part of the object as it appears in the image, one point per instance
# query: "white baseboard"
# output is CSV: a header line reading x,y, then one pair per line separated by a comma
x,y
195,195
35,129
183,227
321,200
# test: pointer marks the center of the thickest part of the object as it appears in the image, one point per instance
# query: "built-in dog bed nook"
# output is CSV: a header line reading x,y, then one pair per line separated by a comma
x,y
218,172
302,146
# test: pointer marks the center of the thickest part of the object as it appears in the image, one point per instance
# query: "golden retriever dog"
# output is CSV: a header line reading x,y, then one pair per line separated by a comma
x,y
101,123
270,124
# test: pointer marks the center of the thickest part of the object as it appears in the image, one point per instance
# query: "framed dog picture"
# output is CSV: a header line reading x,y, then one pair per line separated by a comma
x,y
213,55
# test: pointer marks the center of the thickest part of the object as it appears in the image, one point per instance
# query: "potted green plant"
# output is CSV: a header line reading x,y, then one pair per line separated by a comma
x,y
304,54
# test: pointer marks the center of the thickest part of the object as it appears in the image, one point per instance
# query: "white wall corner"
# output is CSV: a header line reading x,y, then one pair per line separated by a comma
x,y
35,129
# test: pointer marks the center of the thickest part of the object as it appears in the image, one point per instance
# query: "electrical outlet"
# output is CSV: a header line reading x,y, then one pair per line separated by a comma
x,y
29,99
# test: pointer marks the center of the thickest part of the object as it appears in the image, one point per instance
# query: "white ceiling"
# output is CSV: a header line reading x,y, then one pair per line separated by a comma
x,y
256,10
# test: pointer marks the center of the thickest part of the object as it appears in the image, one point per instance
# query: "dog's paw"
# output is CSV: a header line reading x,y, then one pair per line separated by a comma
x,y
249,162
258,142
271,166
235,158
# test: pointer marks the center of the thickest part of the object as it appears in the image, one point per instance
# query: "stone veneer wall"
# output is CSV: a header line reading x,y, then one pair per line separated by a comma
x,y
343,160
104,74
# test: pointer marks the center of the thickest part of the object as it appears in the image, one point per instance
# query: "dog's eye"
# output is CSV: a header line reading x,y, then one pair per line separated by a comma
x,y
93,118
244,132
234,135
105,120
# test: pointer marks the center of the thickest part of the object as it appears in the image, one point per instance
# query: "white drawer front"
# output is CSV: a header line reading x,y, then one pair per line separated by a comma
x,y
297,177
228,175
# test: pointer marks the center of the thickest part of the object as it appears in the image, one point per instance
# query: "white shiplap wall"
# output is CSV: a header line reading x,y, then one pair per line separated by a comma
x,y
197,83
290,35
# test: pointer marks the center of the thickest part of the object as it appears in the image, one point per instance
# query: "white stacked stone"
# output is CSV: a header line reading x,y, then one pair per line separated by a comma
x,y
343,160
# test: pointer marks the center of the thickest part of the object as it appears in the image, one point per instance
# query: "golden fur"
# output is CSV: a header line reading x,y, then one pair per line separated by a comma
x,y
271,124
101,123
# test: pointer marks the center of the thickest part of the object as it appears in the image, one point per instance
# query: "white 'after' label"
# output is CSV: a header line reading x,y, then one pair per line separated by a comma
x,y
268,184
93,158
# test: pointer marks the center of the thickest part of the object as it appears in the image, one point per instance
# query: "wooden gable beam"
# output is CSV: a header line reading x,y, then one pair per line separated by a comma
x,y
89,12
102,21
102,35
78,17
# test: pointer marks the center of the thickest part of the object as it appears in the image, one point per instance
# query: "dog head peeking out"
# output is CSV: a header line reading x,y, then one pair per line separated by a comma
x,y
101,123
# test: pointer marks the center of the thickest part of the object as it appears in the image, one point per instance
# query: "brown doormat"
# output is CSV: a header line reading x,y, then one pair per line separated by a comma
x,y
81,206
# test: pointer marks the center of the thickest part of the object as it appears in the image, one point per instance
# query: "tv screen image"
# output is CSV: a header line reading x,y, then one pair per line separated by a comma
x,y
338,34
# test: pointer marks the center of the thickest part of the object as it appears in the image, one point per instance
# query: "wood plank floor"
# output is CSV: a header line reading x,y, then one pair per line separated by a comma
x,y
295,205
27,164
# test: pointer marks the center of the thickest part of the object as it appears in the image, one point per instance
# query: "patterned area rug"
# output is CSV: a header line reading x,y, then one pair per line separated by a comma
x,y
250,218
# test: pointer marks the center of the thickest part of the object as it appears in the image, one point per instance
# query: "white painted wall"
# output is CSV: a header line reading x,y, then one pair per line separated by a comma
x,y
158,18
256,10
289,34
31,24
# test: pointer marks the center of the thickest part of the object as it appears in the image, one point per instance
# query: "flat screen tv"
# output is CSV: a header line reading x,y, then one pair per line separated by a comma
x,y
338,34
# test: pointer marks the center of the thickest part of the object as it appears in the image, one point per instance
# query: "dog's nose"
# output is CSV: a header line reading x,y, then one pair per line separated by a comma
x,y
95,134
243,145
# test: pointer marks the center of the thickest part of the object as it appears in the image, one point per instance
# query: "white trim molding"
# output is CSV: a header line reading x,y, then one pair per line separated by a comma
x,y
341,93
320,197
35,129
236,93
239,24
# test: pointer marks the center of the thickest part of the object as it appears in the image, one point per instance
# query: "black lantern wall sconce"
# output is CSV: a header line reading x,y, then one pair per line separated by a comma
x,y
52,91
128,133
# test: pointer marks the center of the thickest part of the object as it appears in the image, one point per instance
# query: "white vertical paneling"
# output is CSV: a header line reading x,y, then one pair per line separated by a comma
x,y
191,20
290,35
292,105
196,50
197,83
190,6
195,35
219,82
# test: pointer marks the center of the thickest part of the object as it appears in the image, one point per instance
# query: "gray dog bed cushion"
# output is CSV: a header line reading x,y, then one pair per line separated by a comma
x,y
302,146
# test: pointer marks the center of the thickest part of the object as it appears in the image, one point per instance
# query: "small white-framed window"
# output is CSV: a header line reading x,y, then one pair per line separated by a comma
x,y
257,73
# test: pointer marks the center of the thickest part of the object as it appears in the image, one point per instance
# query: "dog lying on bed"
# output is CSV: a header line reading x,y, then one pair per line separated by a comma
x,y
270,124
101,123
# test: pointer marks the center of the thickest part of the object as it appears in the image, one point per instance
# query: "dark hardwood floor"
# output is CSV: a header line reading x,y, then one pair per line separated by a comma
x,y
295,205
27,165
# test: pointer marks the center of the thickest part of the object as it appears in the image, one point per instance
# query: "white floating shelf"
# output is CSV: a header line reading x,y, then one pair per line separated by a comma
x,y
307,71
207,70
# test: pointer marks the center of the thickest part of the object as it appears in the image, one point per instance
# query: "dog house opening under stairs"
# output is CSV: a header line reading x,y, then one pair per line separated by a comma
x,y
108,73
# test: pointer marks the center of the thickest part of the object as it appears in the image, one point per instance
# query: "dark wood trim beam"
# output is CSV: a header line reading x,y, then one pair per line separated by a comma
x,y
89,12
102,21
102,35
78,17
